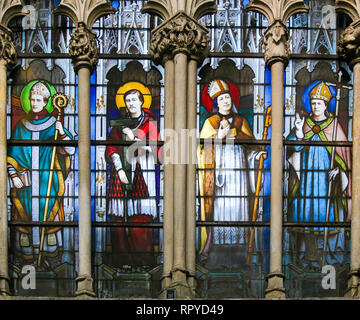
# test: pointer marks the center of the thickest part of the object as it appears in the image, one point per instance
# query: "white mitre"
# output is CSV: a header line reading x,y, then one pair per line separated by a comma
x,y
216,88
40,89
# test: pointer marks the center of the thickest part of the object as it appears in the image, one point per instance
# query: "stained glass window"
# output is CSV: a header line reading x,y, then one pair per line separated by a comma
x,y
126,122
233,169
317,176
42,156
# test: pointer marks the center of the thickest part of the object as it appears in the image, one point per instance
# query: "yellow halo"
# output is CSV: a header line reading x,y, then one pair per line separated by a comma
x,y
120,103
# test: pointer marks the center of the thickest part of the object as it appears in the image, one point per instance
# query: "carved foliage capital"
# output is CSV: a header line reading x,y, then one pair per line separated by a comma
x,y
179,34
83,48
8,53
349,45
276,43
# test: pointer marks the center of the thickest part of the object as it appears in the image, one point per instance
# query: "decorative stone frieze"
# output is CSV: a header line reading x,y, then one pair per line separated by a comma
x,y
83,48
181,33
276,43
349,44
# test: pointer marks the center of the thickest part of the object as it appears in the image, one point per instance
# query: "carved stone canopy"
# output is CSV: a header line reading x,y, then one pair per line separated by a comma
x,y
349,44
83,48
180,33
276,43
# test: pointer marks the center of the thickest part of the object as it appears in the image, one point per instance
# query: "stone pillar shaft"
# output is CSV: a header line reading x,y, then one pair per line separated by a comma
x,y
349,50
179,43
180,96
4,277
168,177
191,175
277,97
277,54
275,280
355,217
84,155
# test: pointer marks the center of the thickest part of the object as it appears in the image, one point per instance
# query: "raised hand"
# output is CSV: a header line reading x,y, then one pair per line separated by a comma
x,y
299,123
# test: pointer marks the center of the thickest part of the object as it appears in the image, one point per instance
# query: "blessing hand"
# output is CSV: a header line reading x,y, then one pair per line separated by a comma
x,y
299,123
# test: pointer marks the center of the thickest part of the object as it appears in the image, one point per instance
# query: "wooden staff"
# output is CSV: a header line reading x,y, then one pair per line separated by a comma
x,y
258,182
59,101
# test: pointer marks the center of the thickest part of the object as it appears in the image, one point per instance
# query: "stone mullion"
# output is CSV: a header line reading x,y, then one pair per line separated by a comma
x,y
84,280
4,274
168,229
276,45
179,43
191,175
84,51
179,272
353,285
275,287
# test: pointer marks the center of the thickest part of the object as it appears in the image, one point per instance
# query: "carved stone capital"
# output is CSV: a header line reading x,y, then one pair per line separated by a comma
x,y
8,53
181,33
83,48
276,44
349,44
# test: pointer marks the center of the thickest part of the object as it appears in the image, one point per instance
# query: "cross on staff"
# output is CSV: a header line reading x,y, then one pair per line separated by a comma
x,y
59,101
338,86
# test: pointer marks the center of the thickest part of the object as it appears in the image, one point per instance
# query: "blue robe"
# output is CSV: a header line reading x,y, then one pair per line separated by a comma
x,y
309,182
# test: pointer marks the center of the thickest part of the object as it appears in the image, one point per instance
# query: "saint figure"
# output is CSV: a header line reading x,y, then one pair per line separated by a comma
x,y
226,176
132,186
29,172
311,172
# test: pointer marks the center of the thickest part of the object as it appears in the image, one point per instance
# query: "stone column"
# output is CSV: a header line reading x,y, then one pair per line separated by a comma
x,y
175,43
179,267
276,45
84,51
168,168
8,58
191,175
349,50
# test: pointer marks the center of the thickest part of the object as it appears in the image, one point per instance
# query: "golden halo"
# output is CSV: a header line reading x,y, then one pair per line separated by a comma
x,y
120,103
